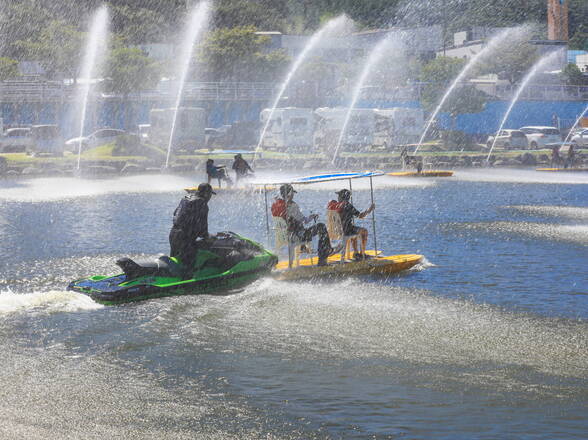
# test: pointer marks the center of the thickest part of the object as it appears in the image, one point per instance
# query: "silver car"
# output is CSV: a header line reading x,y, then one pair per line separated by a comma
x,y
580,138
509,140
540,137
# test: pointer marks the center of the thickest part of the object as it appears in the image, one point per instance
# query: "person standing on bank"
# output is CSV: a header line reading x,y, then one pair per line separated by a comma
x,y
190,223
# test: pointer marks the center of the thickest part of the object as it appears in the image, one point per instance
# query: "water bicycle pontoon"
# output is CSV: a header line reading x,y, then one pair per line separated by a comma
x,y
338,264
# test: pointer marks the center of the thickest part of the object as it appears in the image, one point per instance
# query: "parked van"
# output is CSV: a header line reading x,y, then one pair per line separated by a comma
x,y
189,129
46,140
289,127
359,132
398,126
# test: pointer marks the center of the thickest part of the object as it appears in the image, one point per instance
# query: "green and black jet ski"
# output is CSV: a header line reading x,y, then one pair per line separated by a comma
x,y
228,262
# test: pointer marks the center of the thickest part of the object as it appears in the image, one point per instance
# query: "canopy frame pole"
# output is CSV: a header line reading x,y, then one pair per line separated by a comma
x,y
267,227
373,217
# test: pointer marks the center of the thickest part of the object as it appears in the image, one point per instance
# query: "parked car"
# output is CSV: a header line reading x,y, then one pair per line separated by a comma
x,y
541,136
99,137
580,138
46,140
16,140
509,139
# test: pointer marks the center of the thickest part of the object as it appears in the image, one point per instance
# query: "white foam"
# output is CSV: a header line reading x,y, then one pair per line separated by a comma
x,y
521,176
45,302
62,188
573,212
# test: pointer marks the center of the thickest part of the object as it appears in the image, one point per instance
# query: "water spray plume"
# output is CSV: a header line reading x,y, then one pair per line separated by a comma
x,y
93,57
576,124
542,62
374,57
502,37
326,29
193,30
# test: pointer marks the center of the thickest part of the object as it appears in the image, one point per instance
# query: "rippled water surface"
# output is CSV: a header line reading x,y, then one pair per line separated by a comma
x,y
487,339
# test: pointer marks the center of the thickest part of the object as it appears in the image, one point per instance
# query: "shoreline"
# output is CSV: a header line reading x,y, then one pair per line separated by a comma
x,y
18,165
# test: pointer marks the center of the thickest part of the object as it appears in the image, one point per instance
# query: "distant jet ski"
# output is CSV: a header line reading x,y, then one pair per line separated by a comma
x,y
229,262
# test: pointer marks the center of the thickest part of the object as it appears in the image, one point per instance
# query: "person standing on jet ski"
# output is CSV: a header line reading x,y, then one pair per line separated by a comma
x,y
295,221
347,212
189,224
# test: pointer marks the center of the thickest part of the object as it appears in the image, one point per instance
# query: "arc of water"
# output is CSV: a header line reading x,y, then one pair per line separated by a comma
x,y
575,124
495,41
329,27
95,48
192,31
374,57
538,65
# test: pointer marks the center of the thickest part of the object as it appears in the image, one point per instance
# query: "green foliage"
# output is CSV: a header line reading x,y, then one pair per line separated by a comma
x,y
573,75
128,70
8,68
56,47
510,63
239,54
438,75
579,40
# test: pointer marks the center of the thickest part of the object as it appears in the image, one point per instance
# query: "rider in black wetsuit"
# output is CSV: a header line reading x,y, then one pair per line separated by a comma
x,y
190,223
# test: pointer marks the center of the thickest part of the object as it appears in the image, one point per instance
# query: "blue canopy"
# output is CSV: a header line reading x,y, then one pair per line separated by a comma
x,y
334,176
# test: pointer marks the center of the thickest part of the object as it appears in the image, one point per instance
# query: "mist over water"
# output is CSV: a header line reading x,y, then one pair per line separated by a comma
x,y
493,323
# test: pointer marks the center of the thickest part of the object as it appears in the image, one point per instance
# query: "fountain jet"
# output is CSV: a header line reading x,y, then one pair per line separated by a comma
x,y
575,124
542,62
374,57
93,56
327,28
195,26
502,37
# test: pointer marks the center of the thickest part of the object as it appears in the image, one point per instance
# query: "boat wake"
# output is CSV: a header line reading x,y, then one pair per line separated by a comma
x,y
519,176
388,327
572,212
577,234
53,301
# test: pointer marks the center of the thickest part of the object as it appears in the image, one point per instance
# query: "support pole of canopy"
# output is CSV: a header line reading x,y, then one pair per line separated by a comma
x,y
267,227
373,217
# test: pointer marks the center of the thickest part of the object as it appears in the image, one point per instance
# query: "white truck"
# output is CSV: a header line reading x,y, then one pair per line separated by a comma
x,y
367,127
188,132
289,128
329,123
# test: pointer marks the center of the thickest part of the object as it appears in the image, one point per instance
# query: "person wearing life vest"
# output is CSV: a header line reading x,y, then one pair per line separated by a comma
x,y
348,212
296,221
241,167
190,223
218,172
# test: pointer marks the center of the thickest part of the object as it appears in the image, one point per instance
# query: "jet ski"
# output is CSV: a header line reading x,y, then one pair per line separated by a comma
x,y
228,261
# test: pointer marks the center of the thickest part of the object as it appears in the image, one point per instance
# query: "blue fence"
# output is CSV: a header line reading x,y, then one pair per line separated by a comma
x,y
115,114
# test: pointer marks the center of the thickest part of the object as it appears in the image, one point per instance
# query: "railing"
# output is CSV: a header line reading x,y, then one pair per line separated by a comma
x,y
23,91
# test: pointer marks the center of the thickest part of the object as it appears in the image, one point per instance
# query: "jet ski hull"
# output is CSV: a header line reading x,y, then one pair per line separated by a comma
x,y
122,288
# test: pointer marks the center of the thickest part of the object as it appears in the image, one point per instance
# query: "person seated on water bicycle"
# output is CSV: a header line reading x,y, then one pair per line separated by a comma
x,y
296,220
217,172
347,212
190,223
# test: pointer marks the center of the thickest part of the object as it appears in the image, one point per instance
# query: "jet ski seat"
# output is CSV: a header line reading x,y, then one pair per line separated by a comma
x,y
162,266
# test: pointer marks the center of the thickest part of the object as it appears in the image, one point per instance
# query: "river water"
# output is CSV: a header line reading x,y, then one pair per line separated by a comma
x,y
487,339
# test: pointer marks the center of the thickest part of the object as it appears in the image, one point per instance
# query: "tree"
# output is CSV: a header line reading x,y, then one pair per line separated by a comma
x,y
128,70
510,63
573,75
58,48
240,54
8,68
438,74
